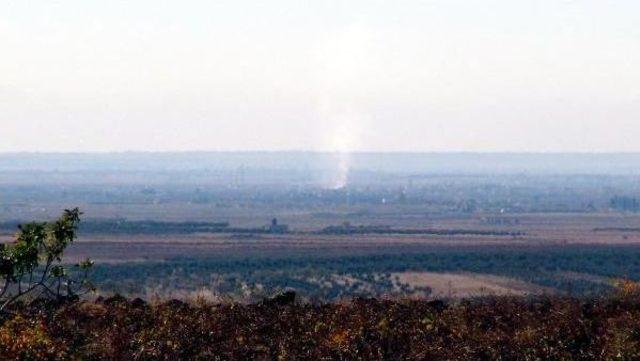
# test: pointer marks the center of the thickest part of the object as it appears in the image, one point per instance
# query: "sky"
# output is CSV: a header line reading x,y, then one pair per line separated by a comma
x,y
357,75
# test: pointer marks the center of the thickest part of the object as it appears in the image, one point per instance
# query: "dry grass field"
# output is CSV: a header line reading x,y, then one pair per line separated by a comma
x,y
539,233
466,285
527,234
539,230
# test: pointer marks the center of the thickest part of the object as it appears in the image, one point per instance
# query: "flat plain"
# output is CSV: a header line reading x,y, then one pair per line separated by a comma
x,y
248,225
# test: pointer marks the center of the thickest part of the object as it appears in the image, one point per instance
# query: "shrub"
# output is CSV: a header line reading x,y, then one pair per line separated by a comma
x,y
31,268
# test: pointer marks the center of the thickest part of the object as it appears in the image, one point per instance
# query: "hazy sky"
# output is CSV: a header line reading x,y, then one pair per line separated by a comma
x,y
430,75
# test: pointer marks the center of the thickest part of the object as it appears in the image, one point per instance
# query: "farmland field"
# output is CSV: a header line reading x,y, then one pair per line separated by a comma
x,y
245,233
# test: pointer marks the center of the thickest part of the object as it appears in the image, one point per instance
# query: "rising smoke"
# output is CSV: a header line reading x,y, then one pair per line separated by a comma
x,y
343,59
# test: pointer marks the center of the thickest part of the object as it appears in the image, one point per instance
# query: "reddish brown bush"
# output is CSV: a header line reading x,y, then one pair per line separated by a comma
x,y
483,329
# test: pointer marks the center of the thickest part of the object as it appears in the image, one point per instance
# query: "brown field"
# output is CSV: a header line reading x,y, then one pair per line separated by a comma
x,y
540,230
465,285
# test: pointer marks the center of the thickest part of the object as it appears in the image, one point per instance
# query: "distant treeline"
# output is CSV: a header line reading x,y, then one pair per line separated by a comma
x,y
143,227
625,204
156,227
616,229
151,227
347,229
121,226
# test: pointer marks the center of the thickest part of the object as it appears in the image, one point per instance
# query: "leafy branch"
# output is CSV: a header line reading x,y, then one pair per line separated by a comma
x,y
31,268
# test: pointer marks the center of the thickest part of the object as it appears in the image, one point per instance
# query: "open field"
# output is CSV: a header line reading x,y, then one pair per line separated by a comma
x,y
185,223
467,285
537,230
524,253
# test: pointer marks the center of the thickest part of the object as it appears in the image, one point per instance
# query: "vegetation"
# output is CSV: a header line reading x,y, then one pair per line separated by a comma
x,y
31,268
43,317
348,229
627,204
123,226
570,270
364,329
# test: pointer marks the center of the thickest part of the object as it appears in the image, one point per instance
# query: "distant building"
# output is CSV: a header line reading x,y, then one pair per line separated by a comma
x,y
274,227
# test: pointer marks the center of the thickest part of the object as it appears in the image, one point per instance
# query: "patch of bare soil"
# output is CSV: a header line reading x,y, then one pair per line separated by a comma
x,y
586,277
462,285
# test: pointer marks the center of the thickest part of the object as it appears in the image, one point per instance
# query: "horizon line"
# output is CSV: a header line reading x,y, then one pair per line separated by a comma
x,y
298,151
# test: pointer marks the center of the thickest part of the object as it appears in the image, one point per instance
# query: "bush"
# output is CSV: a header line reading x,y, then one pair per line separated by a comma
x,y
506,328
31,268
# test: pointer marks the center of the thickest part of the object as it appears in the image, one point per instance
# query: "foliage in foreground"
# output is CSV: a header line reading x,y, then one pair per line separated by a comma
x,y
31,267
481,329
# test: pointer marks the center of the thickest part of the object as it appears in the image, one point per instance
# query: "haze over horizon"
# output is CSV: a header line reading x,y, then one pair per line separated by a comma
x,y
417,76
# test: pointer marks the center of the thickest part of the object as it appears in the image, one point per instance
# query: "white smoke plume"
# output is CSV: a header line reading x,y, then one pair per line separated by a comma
x,y
343,59
346,136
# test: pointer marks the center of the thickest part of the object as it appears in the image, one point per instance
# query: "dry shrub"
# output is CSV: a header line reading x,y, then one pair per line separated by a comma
x,y
626,288
491,328
29,339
